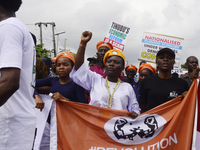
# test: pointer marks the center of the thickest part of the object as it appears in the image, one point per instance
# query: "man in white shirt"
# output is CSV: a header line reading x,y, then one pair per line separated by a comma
x,y
17,69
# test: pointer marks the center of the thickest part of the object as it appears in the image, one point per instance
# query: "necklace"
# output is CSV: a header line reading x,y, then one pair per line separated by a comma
x,y
110,97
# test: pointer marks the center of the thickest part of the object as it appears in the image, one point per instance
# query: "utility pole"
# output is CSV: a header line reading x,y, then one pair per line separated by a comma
x,y
65,42
58,38
40,25
53,26
54,41
65,49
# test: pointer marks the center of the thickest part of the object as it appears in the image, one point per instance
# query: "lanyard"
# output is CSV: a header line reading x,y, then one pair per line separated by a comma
x,y
110,97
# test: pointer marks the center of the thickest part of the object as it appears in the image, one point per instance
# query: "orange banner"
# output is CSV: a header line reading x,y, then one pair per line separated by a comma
x,y
86,127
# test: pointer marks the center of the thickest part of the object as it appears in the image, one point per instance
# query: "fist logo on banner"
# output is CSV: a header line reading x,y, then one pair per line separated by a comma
x,y
134,131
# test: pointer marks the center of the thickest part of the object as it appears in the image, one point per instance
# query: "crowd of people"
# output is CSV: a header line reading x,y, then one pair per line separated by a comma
x,y
104,83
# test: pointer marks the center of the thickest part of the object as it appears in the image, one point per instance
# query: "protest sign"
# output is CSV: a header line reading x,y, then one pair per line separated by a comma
x,y
117,35
152,43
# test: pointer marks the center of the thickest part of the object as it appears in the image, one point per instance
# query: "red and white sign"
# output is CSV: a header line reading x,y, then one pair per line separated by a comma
x,y
117,35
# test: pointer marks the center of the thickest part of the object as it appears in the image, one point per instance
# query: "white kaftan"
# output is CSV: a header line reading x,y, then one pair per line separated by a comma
x,y
123,98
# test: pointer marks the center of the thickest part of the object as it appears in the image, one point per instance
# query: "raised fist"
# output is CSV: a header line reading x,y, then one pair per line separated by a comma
x,y
86,36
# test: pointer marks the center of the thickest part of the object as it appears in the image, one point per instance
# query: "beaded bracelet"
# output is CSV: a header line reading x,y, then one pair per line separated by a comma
x,y
82,45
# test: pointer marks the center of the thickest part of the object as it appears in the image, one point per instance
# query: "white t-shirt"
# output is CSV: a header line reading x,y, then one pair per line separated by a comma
x,y
17,115
123,98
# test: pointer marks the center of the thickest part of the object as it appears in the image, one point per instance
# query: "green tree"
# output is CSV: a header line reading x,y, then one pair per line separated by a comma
x,y
183,66
42,51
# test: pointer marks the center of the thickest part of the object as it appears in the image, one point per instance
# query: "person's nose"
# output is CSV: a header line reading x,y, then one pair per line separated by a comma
x,y
61,66
165,59
111,63
194,64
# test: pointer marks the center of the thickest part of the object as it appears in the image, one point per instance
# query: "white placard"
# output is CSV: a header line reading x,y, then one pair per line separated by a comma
x,y
152,43
117,35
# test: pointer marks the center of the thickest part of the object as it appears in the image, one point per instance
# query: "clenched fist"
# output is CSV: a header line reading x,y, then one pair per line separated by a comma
x,y
85,37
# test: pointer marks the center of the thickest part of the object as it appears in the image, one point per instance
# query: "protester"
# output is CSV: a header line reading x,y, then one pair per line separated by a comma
x,y
102,48
53,68
107,92
47,62
47,89
62,87
162,87
136,78
41,69
175,74
93,61
17,69
131,71
191,63
142,62
145,70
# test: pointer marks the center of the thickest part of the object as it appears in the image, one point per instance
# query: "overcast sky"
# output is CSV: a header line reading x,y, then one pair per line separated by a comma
x,y
179,18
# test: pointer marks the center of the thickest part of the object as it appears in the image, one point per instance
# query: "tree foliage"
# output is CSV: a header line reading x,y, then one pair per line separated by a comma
x,y
42,51
183,66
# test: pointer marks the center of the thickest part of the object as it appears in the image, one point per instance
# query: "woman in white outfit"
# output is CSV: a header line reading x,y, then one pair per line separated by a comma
x,y
110,92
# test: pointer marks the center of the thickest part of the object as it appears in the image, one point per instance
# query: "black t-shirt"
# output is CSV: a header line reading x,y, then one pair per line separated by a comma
x,y
155,91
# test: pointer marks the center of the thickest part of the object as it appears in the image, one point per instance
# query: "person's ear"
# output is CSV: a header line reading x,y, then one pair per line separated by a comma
x,y
97,53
